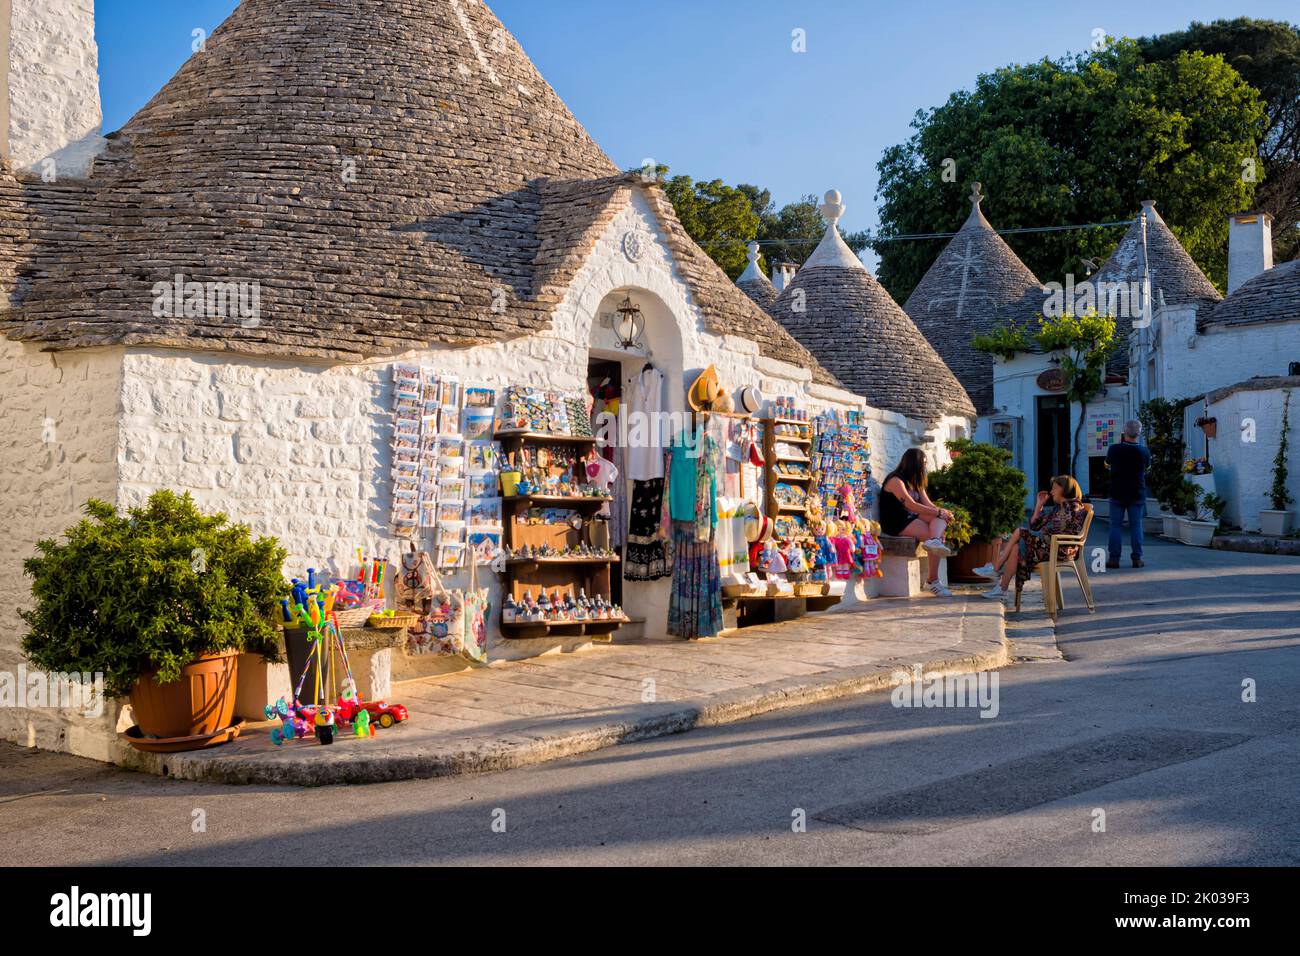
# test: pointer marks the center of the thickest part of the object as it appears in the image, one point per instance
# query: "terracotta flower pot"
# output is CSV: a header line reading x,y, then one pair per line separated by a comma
x,y
962,565
201,702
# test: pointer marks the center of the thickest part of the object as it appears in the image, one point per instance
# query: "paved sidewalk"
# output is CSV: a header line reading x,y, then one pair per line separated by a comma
x,y
526,712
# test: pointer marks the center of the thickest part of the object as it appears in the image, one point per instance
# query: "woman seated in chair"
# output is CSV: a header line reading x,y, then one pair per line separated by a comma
x,y
1060,511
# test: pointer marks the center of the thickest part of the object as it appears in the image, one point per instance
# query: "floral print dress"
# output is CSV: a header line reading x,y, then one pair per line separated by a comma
x,y
1066,518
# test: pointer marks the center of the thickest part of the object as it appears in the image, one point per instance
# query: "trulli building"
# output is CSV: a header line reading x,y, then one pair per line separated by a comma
x,y
212,298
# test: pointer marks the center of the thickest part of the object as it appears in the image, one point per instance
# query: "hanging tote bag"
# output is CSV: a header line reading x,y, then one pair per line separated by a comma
x,y
475,604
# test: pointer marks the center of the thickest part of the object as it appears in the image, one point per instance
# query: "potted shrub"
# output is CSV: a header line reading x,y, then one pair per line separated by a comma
x,y
1278,520
161,601
960,530
1162,423
990,491
1198,527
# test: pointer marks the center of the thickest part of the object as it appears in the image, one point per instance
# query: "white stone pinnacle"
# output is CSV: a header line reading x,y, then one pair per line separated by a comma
x,y
833,250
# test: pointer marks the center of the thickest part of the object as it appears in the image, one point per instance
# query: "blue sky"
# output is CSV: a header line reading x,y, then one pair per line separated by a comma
x,y
713,88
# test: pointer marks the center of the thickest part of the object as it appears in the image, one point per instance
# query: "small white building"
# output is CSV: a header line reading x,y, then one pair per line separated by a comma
x,y
1233,361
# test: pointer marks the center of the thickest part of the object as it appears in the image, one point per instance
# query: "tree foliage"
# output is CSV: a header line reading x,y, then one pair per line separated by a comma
x,y
720,218
1267,55
724,219
1082,139
1279,494
151,590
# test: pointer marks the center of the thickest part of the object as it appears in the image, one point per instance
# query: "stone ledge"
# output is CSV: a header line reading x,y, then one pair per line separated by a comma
x,y
1256,544
982,646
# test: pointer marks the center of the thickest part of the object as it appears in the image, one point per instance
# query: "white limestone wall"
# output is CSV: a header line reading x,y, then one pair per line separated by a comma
x,y
58,448
1192,364
53,74
1243,469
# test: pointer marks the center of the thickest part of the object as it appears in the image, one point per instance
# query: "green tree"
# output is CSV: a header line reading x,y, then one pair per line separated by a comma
x,y
1162,423
720,218
1082,139
1267,55
791,233
1086,341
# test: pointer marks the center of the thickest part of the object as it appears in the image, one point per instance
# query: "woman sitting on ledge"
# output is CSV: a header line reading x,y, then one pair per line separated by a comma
x,y
906,511
1029,547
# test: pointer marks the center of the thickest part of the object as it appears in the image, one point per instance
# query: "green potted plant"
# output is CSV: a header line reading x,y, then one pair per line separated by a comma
x,y
991,492
1198,526
1278,520
960,530
1162,424
161,601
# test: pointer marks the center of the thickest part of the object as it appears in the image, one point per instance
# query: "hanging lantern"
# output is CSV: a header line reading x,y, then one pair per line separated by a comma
x,y
629,325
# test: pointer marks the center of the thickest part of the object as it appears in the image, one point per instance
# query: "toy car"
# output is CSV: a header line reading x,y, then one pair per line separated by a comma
x,y
383,714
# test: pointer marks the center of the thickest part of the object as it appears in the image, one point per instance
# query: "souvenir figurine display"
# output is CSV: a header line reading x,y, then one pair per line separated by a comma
x,y
555,556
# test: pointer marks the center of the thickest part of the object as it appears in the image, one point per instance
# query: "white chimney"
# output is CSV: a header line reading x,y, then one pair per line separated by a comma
x,y
50,118
783,274
1250,247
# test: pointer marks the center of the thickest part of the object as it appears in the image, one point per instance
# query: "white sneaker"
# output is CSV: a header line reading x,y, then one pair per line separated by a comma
x,y
939,589
986,571
935,546
996,593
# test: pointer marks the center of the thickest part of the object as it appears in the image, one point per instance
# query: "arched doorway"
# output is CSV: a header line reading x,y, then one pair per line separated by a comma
x,y
613,368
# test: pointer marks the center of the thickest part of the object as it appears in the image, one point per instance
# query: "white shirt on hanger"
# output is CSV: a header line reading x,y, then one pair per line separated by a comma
x,y
645,457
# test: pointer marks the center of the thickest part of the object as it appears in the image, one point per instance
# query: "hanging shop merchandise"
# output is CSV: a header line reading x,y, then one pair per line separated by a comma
x,y
695,605
445,489
815,473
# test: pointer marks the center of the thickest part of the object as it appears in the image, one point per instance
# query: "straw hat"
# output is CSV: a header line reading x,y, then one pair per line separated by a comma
x,y
749,399
758,528
705,390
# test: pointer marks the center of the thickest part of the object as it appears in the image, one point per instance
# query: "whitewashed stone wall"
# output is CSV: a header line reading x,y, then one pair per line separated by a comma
x,y
58,447
54,107
1243,469
1192,364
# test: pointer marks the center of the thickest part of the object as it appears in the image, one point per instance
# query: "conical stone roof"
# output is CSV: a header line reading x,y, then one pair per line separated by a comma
x,y
1175,277
755,283
962,295
390,173
838,311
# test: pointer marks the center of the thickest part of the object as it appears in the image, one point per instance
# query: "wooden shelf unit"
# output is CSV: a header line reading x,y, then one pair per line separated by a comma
x,y
771,478
563,575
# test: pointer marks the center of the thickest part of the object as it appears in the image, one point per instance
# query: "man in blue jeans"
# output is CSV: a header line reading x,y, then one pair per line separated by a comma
x,y
1128,463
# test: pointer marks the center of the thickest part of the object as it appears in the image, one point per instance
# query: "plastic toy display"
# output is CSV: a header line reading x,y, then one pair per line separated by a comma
x,y
311,607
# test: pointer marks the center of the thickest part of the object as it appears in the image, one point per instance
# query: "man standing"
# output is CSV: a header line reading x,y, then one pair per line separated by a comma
x,y
1128,462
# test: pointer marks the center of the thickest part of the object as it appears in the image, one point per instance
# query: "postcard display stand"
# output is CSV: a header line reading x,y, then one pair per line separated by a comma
x,y
542,449
445,467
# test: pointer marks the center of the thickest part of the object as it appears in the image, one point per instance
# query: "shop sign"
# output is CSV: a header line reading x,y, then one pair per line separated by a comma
x,y
1051,380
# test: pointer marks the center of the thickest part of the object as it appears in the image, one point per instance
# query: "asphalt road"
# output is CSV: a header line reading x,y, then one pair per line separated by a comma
x,y
1144,722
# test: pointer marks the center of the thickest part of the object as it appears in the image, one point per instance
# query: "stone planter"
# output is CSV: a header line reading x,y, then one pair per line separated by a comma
x,y
1169,525
1198,534
1275,523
